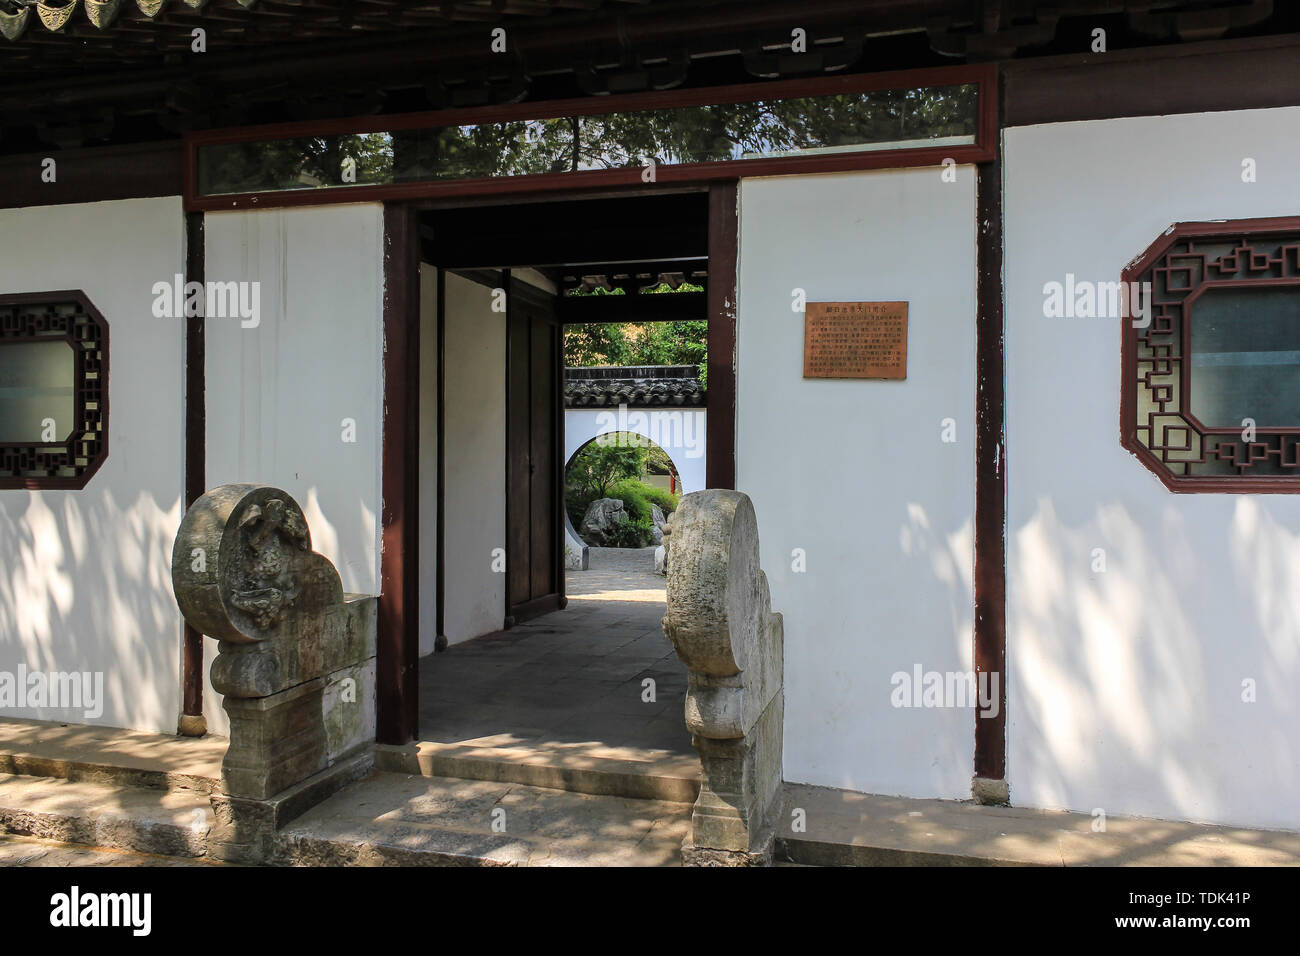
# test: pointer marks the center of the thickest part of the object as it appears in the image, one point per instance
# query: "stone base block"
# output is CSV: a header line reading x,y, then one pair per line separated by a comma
x,y
990,792
275,741
245,830
760,855
740,785
191,725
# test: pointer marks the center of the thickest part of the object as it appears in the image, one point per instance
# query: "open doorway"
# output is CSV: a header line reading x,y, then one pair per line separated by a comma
x,y
540,656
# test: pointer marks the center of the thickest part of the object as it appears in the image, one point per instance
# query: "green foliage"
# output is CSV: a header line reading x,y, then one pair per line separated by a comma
x,y
666,500
586,346
633,495
576,501
657,461
628,138
651,343
632,533
598,466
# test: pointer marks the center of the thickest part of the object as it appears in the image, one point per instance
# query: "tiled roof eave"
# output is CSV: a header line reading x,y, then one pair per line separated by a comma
x,y
634,393
16,16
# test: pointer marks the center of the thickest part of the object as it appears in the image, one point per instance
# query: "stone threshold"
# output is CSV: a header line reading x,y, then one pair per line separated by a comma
x,y
845,828
577,768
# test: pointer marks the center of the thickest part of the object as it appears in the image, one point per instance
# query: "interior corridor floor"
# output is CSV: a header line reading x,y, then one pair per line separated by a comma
x,y
570,681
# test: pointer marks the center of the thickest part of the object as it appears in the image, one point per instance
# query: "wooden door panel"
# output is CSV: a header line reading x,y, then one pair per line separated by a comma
x,y
533,454
542,530
518,499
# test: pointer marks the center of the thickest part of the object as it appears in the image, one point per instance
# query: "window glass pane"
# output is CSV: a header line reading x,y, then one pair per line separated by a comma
x,y
36,385
1245,354
844,122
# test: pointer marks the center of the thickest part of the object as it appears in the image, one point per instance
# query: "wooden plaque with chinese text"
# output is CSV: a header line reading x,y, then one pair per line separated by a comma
x,y
855,340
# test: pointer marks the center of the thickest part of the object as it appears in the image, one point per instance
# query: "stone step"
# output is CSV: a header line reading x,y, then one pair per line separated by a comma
x,y
27,851
142,819
110,755
394,819
578,768
843,828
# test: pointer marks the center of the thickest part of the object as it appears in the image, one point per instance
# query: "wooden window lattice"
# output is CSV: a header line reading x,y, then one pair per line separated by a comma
x,y
1157,423
70,460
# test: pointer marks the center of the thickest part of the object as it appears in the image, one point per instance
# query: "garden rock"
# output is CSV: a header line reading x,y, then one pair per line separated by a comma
x,y
657,520
601,521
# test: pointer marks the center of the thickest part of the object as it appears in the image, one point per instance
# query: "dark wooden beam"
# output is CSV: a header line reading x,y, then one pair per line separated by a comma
x,y
658,307
1255,73
398,653
93,175
88,69
720,440
567,231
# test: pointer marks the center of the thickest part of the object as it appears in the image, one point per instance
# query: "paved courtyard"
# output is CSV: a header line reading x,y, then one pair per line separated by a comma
x,y
572,679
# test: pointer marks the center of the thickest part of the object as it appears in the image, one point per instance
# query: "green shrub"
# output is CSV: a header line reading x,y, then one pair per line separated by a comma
x,y
666,500
637,497
576,501
633,495
632,533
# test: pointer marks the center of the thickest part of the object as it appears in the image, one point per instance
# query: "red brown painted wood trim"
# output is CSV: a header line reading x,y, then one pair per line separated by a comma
x,y
720,440
990,475
195,446
397,664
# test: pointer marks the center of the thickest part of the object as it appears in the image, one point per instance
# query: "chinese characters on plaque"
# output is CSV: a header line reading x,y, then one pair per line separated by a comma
x,y
855,340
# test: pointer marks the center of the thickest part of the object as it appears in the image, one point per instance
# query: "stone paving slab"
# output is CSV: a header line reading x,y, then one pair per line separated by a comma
x,y
397,819
147,820
562,697
855,829
110,755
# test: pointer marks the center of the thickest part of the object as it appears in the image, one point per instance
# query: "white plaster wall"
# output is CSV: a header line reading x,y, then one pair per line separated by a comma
x,y
85,576
278,393
855,472
1125,686
475,471
679,431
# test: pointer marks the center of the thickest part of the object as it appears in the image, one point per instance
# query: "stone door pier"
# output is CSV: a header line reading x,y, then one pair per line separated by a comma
x,y
722,626
295,661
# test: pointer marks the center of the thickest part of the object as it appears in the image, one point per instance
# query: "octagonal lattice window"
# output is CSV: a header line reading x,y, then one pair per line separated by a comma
x,y
1210,395
53,390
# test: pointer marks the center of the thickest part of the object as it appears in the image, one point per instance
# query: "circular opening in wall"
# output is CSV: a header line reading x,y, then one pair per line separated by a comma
x,y
618,489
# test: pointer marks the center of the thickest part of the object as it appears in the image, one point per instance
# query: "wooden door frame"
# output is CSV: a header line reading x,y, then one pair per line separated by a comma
x,y
398,646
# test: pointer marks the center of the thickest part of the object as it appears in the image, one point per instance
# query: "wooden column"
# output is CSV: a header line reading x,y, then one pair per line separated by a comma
x,y
720,445
397,666
192,722
990,472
